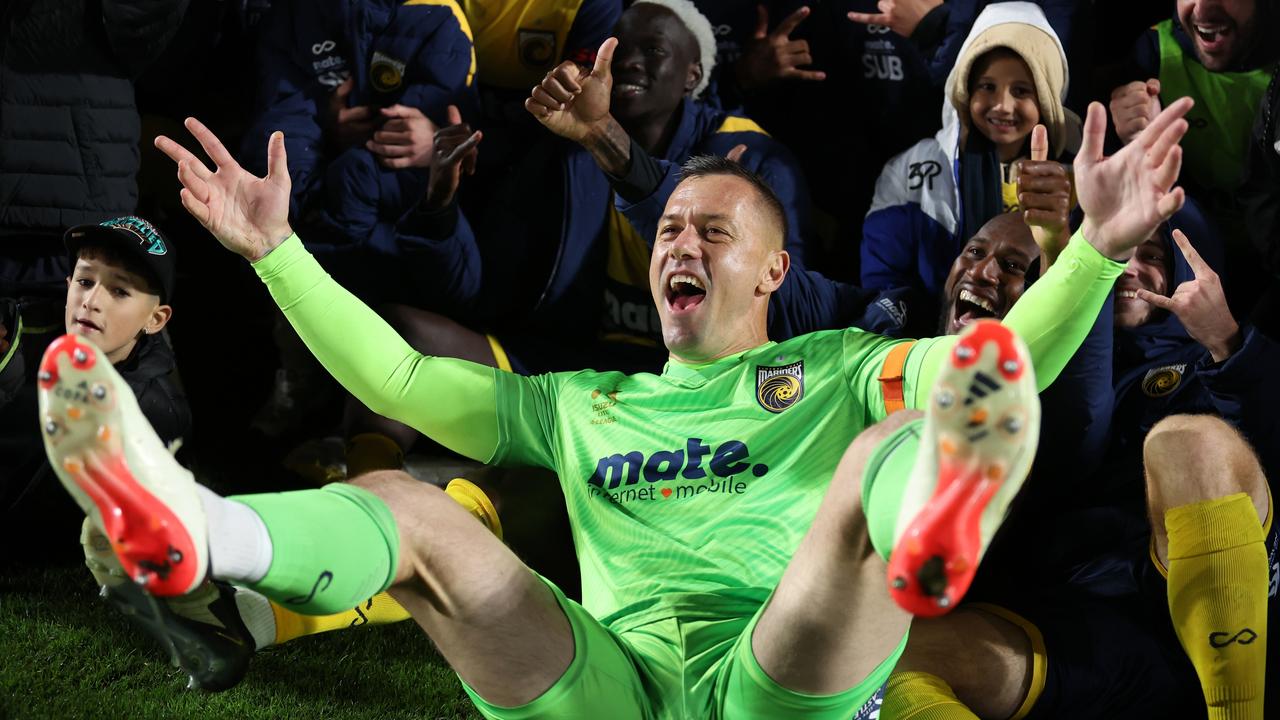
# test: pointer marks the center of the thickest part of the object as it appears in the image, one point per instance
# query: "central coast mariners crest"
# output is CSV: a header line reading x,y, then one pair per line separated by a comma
x,y
778,388
1161,381
386,72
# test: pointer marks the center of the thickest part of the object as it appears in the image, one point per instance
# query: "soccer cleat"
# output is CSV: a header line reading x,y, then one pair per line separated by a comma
x,y
980,434
107,456
202,633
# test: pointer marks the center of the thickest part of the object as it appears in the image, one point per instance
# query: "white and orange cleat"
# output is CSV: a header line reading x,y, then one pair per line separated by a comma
x,y
119,472
980,435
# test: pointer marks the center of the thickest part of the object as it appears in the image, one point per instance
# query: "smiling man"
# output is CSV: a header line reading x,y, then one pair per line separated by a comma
x,y
733,535
990,274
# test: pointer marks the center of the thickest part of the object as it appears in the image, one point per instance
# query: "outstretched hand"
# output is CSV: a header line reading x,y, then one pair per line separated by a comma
x,y
249,215
454,151
571,101
1126,196
900,16
1201,305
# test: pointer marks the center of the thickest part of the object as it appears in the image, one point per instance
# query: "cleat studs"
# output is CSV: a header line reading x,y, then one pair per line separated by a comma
x,y
104,433
99,392
944,601
964,352
103,592
175,555
72,466
50,427
80,356
74,413
1011,425
1010,366
45,376
899,583
946,399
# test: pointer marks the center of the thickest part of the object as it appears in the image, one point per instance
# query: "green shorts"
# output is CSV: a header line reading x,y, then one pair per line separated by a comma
x,y
675,668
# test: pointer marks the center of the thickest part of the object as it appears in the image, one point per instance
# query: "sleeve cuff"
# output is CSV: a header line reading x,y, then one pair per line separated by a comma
x,y
1080,254
642,178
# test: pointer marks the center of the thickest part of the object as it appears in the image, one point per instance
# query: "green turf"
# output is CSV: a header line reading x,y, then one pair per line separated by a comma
x,y
66,654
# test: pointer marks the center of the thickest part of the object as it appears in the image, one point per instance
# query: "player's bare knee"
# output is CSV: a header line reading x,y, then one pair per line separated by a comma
x,y
1192,458
983,657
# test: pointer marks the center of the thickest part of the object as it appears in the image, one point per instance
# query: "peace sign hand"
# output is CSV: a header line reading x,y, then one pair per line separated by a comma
x,y
249,215
774,55
1200,305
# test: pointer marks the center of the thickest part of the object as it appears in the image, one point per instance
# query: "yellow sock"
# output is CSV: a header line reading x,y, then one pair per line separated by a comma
x,y
367,452
381,609
921,696
473,500
1218,600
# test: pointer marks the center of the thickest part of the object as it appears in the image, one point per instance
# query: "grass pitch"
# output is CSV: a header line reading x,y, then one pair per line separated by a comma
x,y
66,654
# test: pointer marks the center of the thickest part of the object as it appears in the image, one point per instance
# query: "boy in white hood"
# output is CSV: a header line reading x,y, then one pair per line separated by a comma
x,y
1011,75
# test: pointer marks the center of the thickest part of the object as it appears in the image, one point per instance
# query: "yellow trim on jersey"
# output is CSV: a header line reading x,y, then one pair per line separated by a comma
x,y
461,17
629,254
499,24
1039,656
499,355
1266,530
734,123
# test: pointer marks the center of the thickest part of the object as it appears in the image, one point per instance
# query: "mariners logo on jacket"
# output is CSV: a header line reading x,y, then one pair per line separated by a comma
x,y
1161,381
778,388
386,72
537,47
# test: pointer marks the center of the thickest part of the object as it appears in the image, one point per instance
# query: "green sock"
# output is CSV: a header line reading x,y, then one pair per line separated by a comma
x,y
331,548
884,478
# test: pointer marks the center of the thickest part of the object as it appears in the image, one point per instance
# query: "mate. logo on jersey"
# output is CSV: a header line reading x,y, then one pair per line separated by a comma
x,y
778,388
697,468
386,72
1161,381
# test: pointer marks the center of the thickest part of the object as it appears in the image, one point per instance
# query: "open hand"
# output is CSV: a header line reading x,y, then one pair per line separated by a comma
x,y
571,101
348,126
900,16
249,215
405,138
1201,305
454,152
1044,194
774,55
1133,107
1126,196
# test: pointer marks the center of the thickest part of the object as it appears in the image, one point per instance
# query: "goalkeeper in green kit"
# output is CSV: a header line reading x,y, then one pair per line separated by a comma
x,y
754,534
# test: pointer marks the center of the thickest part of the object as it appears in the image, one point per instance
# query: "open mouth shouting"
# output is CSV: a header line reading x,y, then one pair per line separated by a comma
x,y
684,292
970,306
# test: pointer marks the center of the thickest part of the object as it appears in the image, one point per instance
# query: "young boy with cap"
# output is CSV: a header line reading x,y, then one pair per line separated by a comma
x,y
118,295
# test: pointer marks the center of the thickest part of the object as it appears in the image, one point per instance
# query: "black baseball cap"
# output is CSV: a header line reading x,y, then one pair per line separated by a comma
x,y
138,239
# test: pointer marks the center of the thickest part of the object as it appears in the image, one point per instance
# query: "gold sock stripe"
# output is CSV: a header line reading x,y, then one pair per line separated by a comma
x,y
914,695
1039,655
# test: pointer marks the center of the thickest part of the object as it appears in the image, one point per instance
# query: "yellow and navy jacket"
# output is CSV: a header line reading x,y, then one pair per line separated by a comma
x,y
412,52
518,41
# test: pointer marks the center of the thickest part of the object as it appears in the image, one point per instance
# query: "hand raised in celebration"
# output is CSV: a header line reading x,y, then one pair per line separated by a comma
x,y
900,16
454,151
1125,196
774,55
571,101
249,215
1044,194
1133,107
1201,305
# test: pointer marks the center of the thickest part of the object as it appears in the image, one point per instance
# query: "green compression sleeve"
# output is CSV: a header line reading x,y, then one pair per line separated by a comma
x,y
1052,318
451,401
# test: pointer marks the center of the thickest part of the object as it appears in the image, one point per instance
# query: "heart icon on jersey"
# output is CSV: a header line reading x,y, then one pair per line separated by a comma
x,y
666,492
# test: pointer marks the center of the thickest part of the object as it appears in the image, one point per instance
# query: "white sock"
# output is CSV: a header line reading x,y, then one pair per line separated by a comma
x,y
257,615
239,544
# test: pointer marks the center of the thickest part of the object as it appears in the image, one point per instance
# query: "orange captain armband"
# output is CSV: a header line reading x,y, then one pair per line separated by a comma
x,y
891,377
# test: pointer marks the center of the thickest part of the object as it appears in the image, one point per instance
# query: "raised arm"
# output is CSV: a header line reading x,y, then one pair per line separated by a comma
x,y
452,401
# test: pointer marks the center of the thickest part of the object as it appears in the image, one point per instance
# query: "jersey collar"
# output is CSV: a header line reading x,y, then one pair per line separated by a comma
x,y
699,374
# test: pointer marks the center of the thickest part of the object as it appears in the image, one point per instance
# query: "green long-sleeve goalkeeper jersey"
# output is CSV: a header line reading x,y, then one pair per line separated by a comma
x,y
688,491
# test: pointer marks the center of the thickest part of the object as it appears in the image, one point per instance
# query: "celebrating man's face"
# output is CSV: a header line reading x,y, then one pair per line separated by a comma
x,y
990,273
1222,31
